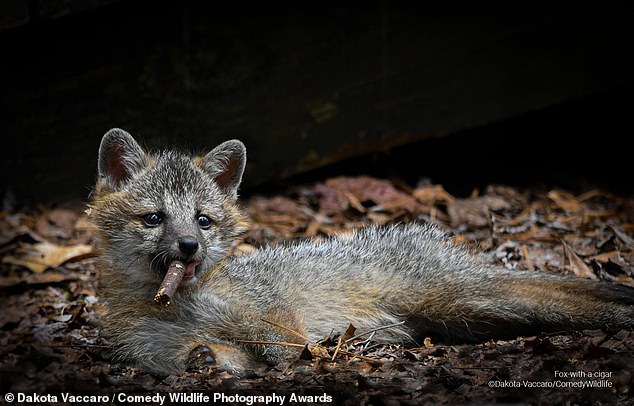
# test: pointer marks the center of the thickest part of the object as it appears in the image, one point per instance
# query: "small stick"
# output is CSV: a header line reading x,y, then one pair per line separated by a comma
x,y
339,342
367,342
170,283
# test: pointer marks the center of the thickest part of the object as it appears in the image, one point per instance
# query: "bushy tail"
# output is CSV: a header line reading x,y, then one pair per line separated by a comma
x,y
509,304
381,276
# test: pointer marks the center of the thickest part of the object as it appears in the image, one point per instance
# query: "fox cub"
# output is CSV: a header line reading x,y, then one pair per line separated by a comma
x,y
151,209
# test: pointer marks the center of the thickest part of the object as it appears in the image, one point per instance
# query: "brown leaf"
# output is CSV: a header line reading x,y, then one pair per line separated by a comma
x,y
58,223
432,194
306,354
380,218
354,202
475,211
47,278
605,257
627,240
11,315
595,351
565,201
349,332
316,351
313,228
539,345
577,266
330,200
338,194
38,257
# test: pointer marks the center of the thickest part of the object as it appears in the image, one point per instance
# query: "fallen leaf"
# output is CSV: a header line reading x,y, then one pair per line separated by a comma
x,y
595,351
627,240
432,194
354,202
11,315
349,332
38,257
476,211
313,228
57,223
380,218
605,257
539,345
565,201
338,194
577,266
62,317
47,278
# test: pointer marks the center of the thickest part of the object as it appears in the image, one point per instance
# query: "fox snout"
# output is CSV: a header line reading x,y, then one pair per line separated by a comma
x,y
188,245
187,248
184,246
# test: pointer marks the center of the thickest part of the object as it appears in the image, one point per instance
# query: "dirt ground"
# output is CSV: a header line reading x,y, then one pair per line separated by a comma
x,y
50,322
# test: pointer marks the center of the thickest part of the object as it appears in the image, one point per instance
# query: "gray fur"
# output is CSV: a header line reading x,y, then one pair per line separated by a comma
x,y
371,278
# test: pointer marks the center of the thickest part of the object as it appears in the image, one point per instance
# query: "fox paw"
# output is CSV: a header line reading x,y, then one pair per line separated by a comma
x,y
221,357
200,357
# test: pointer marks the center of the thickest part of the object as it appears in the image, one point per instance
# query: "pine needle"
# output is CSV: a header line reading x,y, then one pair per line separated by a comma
x,y
281,343
338,349
295,333
361,357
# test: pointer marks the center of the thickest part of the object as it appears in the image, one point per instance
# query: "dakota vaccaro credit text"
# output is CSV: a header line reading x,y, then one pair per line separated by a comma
x,y
165,398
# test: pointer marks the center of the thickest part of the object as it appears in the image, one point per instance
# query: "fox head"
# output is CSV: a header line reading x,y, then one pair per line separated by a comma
x,y
151,208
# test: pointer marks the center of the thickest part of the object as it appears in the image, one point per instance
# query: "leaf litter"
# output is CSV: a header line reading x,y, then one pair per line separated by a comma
x,y
51,319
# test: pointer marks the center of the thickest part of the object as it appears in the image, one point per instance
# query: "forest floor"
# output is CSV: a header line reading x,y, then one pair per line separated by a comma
x,y
52,311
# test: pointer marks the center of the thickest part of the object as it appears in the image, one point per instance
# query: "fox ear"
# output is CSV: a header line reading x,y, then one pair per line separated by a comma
x,y
120,157
225,164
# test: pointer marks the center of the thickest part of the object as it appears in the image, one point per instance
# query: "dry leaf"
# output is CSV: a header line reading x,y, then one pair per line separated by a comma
x,y
577,266
349,332
565,201
627,240
38,257
432,194
57,223
62,317
37,279
605,257
338,194
476,211
11,315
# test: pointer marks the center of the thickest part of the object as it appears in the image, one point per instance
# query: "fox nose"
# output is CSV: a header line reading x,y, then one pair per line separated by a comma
x,y
188,245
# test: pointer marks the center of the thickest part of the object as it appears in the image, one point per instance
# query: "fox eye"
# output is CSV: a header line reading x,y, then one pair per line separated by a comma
x,y
204,222
152,219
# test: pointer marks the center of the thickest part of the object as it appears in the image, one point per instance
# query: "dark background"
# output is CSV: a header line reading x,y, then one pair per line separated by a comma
x,y
465,96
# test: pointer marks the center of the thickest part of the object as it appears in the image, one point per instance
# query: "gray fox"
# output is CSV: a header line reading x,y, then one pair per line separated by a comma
x,y
153,208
